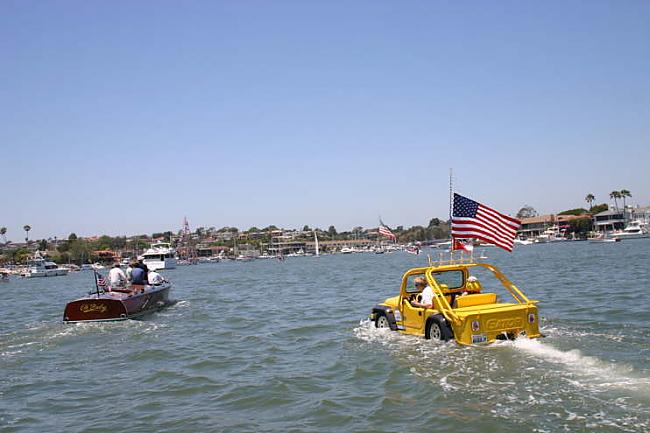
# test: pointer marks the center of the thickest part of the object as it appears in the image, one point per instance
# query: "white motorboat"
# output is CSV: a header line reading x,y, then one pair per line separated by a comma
x,y
347,250
551,234
161,255
603,238
519,241
39,267
634,230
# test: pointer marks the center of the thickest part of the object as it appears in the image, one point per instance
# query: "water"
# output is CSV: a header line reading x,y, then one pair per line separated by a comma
x,y
267,346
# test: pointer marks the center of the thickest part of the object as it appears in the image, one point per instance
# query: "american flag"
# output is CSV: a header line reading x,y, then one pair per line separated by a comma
x,y
472,220
385,231
101,281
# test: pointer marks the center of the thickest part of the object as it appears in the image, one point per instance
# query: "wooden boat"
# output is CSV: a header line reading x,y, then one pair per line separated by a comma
x,y
118,304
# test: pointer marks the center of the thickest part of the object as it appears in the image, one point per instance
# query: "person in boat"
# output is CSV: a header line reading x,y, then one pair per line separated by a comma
x,y
155,279
129,269
117,277
473,286
144,267
138,276
426,297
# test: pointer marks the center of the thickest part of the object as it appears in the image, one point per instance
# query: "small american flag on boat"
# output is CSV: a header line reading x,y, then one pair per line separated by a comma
x,y
472,220
458,245
101,281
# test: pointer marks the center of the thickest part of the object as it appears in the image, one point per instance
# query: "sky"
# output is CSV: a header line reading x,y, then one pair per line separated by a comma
x,y
124,117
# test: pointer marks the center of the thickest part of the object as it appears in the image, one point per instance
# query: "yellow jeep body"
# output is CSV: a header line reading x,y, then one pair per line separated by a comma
x,y
469,319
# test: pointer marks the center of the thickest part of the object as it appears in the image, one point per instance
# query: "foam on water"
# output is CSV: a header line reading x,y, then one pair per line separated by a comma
x,y
583,392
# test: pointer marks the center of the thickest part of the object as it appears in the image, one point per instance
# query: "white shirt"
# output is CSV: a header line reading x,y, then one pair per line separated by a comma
x,y
155,278
427,296
116,277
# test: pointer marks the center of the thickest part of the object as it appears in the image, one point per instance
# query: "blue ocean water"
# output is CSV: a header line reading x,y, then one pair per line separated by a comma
x,y
270,346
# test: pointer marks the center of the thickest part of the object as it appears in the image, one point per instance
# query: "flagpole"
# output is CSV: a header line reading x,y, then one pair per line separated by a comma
x,y
96,285
451,188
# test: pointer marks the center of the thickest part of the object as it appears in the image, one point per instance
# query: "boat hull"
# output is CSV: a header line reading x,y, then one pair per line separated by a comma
x,y
113,306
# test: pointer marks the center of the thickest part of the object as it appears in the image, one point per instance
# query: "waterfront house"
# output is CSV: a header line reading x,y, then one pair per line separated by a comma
x,y
609,220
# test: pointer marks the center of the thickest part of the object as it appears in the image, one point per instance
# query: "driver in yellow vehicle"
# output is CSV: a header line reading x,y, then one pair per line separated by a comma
x,y
426,297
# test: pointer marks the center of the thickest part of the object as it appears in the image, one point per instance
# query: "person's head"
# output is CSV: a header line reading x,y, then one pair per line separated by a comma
x,y
420,283
116,264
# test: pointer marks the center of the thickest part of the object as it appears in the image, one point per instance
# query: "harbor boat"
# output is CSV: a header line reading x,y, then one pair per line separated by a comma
x,y
39,267
634,230
551,234
461,309
347,250
520,241
160,255
603,238
118,304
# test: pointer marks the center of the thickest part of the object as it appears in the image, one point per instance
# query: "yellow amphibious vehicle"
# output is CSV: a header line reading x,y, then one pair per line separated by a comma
x,y
461,308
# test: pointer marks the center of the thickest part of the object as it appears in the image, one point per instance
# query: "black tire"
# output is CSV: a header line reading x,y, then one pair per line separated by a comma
x,y
437,329
381,321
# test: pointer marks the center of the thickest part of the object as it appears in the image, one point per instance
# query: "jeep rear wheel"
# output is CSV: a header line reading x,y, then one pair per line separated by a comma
x,y
382,321
438,330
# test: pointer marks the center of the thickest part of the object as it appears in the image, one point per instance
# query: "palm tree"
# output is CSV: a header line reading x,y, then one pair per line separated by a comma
x,y
3,232
615,195
27,228
590,199
625,193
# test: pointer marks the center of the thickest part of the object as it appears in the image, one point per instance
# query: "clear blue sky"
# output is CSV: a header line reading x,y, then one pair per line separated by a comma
x,y
122,117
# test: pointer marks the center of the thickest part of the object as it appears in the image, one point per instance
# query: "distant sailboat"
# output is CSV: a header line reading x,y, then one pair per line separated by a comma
x,y
316,244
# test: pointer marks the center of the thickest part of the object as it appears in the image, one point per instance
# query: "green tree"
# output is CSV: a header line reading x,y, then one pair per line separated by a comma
x,y
3,232
599,208
581,227
331,231
526,212
306,228
615,195
42,245
72,237
27,228
578,211
434,222
590,199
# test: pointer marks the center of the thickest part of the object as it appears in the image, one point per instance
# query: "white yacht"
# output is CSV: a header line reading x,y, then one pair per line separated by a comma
x,y
551,234
161,255
634,229
39,267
